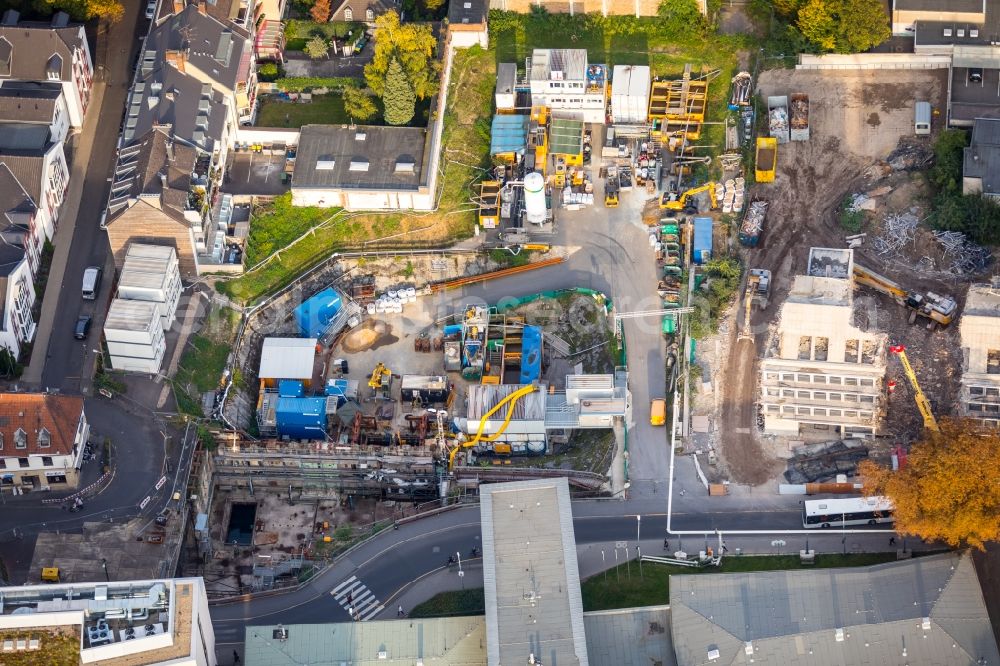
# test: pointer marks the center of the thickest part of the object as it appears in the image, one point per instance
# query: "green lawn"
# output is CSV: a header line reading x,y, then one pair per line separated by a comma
x,y
624,588
204,360
322,110
466,144
456,602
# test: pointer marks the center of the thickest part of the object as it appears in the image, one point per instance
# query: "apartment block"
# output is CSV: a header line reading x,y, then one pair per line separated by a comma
x,y
42,439
134,336
823,375
151,274
979,396
567,83
128,623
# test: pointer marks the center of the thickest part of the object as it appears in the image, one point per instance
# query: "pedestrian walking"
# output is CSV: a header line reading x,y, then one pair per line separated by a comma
x,y
724,548
892,541
666,544
350,598
236,657
400,613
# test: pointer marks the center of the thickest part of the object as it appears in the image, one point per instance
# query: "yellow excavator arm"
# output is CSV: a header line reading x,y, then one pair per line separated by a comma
x,y
511,401
923,404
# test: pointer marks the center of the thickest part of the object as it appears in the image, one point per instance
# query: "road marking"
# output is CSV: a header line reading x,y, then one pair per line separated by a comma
x,y
346,582
363,604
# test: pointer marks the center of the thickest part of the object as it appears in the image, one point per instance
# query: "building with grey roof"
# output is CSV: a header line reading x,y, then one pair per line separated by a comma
x,y
41,104
48,52
567,83
40,167
981,159
923,611
467,23
363,168
534,606
134,336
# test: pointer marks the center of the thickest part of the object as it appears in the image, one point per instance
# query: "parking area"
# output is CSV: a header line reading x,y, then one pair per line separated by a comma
x,y
974,99
257,173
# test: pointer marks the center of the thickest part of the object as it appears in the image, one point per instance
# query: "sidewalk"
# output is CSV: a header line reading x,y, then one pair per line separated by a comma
x,y
68,214
445,579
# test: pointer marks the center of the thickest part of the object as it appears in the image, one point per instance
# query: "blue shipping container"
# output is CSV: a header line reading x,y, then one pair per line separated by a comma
x,y
301,418
315,315
702,244
290,388
531,354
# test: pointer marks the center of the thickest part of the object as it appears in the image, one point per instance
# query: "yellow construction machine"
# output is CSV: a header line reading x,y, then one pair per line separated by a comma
x,y
923,404
377,382
937,309
758,291
511,402
670,200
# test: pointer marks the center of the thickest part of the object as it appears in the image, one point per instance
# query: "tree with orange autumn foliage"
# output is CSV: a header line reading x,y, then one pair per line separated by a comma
x,y
949,489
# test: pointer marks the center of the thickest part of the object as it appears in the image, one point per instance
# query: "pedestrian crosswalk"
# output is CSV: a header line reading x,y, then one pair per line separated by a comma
x,y
355,598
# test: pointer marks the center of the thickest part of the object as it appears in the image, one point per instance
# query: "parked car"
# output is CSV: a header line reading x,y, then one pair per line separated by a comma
x,y
150,9
975,75
82,329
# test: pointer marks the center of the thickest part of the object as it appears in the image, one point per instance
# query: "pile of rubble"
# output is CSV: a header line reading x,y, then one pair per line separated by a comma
x,y
966,258
813,463
897,231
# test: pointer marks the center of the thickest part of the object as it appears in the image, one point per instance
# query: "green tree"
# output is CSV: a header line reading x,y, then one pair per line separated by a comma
x,y
681,16
359,103
413,46
844,26
399,99
946,174
317,47
111,10
268,71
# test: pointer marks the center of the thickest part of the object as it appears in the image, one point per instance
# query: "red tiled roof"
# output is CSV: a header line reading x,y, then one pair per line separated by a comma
x,y
33,412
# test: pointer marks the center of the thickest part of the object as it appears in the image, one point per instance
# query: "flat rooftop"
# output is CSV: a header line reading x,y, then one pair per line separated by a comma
x,y
129,315
820,291
360,157
983,300
533,600
830,262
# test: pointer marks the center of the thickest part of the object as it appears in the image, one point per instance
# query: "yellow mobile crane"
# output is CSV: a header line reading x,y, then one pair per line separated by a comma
x,y
670,201
512,400
923,404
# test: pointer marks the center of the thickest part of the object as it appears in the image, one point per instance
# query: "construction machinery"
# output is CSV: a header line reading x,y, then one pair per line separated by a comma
x,y
611,189
511,403
923,404
937,309
757,293
766,159
377,380
671,201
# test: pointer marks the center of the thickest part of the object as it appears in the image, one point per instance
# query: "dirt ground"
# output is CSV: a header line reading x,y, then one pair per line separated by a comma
x,y
856,119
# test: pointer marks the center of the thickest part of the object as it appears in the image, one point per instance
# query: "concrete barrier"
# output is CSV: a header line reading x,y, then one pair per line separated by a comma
x,y
874,61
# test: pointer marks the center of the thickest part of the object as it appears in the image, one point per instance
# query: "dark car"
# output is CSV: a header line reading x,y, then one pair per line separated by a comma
x,y
975,75
82,329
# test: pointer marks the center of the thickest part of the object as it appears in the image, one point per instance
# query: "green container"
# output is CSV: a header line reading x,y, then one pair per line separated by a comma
x,y
669,229
669,326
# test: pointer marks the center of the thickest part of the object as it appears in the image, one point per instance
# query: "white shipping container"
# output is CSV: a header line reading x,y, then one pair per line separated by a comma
x,y
630,93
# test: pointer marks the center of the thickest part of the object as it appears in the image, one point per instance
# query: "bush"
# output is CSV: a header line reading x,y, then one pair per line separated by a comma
x,y
946,174
851,220
269,71
301,83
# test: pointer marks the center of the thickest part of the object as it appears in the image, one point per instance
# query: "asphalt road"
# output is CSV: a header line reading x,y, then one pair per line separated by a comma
x,y
68,364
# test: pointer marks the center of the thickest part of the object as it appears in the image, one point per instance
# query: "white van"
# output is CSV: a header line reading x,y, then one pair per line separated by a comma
x,y
922,120
91,282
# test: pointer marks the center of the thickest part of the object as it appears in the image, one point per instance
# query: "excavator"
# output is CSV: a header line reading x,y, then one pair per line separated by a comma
x,y
511,402
923,404
758,291
670,200
937,309
377,382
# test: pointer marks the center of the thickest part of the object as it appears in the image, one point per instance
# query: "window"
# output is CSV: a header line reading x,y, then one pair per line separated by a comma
x,y
851,351
819,395
44,439
803,395
850,413
23,462
788,410
802,378
773,376
819,412
788,393
805,347
46,461
993,361
773,409
868,352
369,15
819,379
834,380
850,381
836,397
773,392
787,377
348,14
3,463
834,412
868,399
821,349
867,382
803,411
20,439
992,393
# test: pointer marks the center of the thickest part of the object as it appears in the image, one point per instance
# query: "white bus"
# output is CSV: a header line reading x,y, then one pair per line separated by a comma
x,y
847,511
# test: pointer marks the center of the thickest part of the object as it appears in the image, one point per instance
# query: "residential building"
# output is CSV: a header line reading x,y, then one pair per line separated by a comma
x,y
923,611
150,273
17,325
467,23
40,167
981,163
564,81
149,622
979,396
19,224
134,335
156,198
907,15
48,52
29,102
362,11
269,38
363,168
42,439
823,375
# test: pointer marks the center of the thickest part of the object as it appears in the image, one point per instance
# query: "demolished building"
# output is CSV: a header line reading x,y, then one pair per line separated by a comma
x,y
822,374
979,397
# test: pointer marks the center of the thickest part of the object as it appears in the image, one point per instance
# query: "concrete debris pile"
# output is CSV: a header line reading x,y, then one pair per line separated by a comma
x,y
812,463
910,155
778,119
966,257
861,201
742,90
753,223
897,231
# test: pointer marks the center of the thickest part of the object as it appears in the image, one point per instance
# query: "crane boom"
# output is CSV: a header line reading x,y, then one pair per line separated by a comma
x,y
923,404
